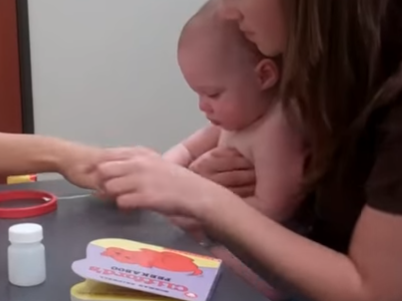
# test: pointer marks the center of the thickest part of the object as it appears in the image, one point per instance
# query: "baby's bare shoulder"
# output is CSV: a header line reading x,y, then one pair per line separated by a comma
x,y
277,134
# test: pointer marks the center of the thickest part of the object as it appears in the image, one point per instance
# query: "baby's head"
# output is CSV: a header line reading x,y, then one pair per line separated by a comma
x,y
235,83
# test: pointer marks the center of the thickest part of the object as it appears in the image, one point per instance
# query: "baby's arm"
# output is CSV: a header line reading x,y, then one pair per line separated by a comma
x,y
194,146
279,157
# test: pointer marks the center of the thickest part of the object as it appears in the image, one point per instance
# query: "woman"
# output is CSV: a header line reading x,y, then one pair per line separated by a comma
x,y
341,65
25,154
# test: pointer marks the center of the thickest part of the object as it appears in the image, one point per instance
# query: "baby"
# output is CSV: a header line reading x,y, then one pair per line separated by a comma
x,y
237,93
236,86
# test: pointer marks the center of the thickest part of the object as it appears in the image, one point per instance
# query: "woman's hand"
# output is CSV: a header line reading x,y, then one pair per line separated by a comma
x,y
228,168
77,163
141,178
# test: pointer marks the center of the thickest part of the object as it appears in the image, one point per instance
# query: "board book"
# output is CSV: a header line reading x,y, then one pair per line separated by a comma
x,y
118,269
98,291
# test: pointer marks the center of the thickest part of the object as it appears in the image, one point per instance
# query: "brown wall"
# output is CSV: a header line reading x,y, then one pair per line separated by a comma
x,y
10,97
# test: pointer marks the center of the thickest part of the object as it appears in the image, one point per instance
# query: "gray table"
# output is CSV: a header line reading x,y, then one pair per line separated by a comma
x,y
83,219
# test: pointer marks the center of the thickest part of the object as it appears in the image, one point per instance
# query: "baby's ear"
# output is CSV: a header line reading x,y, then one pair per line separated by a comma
x,y
267,73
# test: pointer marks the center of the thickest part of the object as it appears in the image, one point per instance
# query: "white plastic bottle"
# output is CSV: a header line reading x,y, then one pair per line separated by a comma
x,y
26,255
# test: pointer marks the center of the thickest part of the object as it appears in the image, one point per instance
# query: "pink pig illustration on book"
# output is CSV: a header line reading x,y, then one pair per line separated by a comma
x,y
146,258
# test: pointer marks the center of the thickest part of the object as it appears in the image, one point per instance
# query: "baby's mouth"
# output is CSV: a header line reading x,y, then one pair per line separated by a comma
x,y
214,122
249,36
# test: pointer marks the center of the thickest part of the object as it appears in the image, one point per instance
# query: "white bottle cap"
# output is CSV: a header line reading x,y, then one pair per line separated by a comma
x,y
25,233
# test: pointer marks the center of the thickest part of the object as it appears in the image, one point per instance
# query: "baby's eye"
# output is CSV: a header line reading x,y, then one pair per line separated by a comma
x,y
214,95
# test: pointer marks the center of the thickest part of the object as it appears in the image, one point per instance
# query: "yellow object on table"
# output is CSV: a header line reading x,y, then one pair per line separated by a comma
x,y
21,179
90,290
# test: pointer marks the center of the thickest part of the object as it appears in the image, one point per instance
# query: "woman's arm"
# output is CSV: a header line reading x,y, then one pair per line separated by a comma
x,y
24,154
20,154
372,271
148,181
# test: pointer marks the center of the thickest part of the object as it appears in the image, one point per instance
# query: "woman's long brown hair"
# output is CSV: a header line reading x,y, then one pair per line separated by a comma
x,y
341,63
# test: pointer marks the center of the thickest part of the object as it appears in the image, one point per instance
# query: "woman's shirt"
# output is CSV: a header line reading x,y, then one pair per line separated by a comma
x,y
372,177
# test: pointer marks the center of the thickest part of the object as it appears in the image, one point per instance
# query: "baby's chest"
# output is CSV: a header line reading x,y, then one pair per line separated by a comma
x,y
242,142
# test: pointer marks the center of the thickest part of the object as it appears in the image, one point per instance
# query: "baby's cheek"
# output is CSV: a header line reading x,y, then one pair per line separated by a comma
x,y
231,110
238,115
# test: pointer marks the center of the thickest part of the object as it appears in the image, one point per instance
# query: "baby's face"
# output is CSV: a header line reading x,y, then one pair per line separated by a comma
x,y
230,95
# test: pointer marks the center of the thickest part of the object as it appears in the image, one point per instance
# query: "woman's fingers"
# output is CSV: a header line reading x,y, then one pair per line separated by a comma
x,y
234,163
120,186
122,163
237,178
229,159
113,169
132,201
227,167
210,163
140,178
120,177
125,153
243,191
225,152
116,154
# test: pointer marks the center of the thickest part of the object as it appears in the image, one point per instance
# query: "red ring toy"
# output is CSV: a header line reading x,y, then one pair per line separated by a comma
x,y
49,205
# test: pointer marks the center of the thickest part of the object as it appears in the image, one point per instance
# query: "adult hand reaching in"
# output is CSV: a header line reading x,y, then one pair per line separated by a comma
x,y
26,154
141,178
78,164
227,167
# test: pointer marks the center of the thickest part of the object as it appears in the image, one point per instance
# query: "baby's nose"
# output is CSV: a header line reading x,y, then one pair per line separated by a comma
x,y
205,107
227,10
